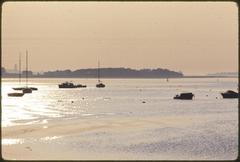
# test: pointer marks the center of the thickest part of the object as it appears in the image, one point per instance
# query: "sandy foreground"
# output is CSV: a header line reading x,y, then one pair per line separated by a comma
x,y
121,138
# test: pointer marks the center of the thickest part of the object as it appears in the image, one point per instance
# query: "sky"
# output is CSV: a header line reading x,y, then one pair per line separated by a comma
x,y
196,38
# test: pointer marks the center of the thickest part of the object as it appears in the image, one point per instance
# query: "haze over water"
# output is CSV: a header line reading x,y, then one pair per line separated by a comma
x,y
196,38
114,123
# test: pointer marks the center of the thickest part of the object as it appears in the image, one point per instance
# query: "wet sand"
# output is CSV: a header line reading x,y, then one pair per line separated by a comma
x,y
149,138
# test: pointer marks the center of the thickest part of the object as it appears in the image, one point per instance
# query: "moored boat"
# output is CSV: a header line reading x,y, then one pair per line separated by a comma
x,y
100,84
15,94
184,96
71,85
27,90
26,87
230,94
22,88
19,88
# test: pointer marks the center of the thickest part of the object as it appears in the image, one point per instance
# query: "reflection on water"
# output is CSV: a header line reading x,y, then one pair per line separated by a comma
x,y
12,141
6,141
120,97
48,138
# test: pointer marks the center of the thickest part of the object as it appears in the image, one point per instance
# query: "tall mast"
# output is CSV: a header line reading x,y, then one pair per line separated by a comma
x,y
26,68
98,72
19,68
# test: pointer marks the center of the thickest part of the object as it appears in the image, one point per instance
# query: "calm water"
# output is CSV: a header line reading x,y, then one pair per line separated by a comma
x,y
212,134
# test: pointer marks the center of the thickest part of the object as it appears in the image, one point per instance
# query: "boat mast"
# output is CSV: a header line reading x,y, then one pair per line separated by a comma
x,y
19,68
98,72
26,68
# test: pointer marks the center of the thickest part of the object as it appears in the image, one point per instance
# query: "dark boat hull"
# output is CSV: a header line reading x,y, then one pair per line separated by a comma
x,y
33,88
22,88
100,85
15,94
77,86
61,86
81,86
225,95
27,90
184,96
19,88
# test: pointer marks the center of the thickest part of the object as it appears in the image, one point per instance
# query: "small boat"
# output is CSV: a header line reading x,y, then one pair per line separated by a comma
x,y
67,85
230,94
27,90
71,85
19,88
22,88
184,96
15,94
100,84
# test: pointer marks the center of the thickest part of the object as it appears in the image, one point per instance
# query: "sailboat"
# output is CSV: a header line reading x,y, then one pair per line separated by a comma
x,y
17,94
100,84
32,88
27,89
22,88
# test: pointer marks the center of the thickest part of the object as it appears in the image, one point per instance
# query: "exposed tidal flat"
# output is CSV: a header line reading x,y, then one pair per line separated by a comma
x,y
114,123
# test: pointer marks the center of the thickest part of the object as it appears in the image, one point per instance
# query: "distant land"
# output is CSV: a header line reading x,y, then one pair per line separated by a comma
x,y
104,73
114,73
224,74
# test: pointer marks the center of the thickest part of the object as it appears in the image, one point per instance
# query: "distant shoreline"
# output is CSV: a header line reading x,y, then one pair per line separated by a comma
x,y
111,73
129,77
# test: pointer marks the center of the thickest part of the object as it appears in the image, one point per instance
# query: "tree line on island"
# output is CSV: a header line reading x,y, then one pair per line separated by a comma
x,y
104,72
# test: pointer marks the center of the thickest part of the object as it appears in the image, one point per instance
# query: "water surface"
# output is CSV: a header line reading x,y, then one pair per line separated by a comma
x,y
115,120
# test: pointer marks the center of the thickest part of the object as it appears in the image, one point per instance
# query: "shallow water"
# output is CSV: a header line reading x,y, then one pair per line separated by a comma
x,y
114,123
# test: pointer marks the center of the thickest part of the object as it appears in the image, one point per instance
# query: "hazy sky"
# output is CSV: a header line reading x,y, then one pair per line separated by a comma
x,y
192,37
